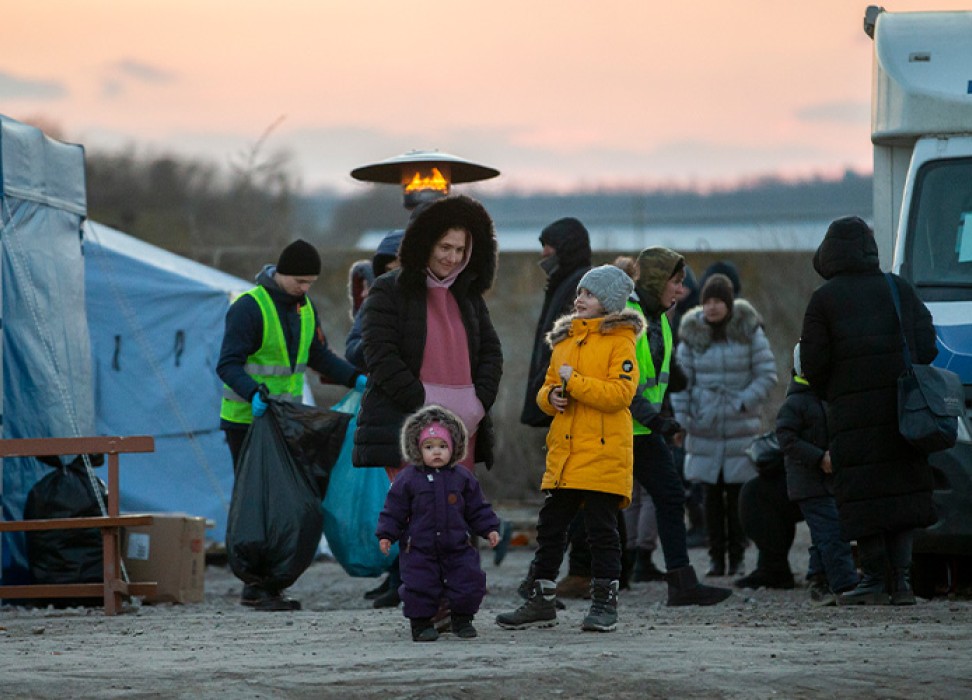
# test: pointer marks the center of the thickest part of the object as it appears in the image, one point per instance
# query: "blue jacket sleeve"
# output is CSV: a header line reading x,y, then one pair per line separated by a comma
x,y
354,344
327,362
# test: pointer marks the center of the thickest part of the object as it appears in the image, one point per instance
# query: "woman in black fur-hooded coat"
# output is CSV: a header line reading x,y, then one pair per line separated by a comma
x,y
851,353
394,332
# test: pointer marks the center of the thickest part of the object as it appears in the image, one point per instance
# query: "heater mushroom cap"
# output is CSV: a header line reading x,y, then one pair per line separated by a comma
x,y
390,171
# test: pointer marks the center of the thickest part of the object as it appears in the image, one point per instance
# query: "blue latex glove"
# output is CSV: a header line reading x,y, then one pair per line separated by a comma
x,y
361,382
258,405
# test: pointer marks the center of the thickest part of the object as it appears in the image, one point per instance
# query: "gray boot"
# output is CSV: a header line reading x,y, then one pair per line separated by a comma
x,y
684,589
603,616
540,610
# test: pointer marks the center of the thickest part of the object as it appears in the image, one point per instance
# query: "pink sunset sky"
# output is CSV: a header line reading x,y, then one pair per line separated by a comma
x,y
558,95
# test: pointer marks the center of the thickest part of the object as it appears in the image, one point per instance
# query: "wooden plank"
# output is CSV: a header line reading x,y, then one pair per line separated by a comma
x,y
75,523
40,447
75,590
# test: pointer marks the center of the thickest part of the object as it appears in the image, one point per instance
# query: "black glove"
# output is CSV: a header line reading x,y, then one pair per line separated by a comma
x,y
664,426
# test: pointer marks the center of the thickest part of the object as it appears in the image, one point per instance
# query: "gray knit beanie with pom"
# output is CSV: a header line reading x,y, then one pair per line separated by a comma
x,y
610,285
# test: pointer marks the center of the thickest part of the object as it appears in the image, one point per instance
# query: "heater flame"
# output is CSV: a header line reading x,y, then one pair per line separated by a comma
x,y
435,181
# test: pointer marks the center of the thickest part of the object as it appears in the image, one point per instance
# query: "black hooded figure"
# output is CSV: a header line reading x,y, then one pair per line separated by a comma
x,y
571,259
851,353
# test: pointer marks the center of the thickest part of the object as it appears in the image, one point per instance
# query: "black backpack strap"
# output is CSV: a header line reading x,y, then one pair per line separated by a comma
x,y
896,298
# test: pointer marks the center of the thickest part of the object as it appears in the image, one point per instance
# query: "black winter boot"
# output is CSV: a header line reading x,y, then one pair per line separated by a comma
x,y
901,591
423,630
645,569
390,598
462,626
603,616
872,589
684,589
767,578
539,611
379,589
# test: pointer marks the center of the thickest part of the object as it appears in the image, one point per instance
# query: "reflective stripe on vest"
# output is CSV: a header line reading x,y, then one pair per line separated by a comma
x,y
270,364
653,386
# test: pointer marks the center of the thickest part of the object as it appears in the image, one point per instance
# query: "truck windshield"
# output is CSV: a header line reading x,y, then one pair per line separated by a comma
x,y
938,249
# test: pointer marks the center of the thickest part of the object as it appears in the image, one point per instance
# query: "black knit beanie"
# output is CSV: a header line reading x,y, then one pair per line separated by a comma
x,y
718,286
298,259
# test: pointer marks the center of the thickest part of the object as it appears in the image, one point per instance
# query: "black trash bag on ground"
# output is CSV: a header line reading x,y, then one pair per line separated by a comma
x,y
65,556
275,518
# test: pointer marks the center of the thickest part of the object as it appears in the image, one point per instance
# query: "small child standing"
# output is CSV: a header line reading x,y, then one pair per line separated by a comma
x,y
431,509
590,382
801,428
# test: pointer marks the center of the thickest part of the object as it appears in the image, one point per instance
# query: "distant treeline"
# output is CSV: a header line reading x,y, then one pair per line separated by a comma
x,y
768,199
222,216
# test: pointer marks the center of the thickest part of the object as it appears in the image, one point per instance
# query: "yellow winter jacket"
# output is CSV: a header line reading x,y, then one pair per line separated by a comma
x,y
589,445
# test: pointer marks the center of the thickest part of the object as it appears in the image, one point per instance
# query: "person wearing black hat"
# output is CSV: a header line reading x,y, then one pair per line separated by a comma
x,y
251,356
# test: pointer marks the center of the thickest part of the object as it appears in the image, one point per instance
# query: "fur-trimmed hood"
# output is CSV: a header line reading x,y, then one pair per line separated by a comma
x,y
697,334
429,223
416,423
626,318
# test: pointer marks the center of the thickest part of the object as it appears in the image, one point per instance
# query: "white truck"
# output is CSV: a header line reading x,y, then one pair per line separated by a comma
x,y
921,128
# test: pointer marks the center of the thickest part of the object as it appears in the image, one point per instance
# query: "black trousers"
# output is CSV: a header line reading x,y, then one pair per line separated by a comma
x,y
654,468
234,440
600,511
722,521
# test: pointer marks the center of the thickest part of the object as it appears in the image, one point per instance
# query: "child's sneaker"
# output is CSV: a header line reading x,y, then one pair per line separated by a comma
x,y
462,626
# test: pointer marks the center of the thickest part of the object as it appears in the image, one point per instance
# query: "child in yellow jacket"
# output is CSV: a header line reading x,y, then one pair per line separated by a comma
x,y
591,380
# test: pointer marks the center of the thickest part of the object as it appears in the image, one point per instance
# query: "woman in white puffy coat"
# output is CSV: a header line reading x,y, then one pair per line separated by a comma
x,y
730,369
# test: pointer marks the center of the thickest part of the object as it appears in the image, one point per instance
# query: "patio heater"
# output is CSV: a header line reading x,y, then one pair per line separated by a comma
x,y
424,176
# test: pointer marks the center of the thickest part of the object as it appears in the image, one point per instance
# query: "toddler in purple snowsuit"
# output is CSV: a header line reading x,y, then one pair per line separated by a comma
x,y
433,508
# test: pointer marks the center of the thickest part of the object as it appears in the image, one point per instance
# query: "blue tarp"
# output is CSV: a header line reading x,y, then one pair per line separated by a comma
x,y
47,381
156,325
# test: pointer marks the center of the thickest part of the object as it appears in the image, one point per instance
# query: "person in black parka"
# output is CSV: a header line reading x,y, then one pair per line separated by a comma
x,y
851,354
396,340
566,257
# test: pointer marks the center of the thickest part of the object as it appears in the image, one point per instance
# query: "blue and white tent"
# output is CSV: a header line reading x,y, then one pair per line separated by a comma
x,y
155,321
47,381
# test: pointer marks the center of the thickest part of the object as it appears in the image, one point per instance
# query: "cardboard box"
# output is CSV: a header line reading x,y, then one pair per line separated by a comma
x,y
171,552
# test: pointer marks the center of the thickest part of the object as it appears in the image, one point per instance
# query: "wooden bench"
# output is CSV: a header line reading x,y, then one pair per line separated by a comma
x,y
113,587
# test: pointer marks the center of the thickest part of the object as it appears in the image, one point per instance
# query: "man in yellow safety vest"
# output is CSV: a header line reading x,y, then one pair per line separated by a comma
x,y
272,335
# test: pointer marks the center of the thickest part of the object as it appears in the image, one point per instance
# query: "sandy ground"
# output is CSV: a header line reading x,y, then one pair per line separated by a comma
x,y
758,644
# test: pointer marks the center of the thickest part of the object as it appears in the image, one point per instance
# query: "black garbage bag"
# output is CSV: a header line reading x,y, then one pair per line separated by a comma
x,y
65,556
275,518
314,436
